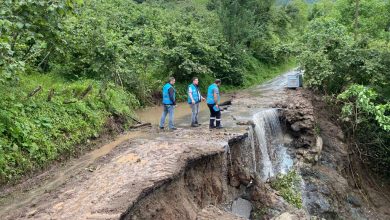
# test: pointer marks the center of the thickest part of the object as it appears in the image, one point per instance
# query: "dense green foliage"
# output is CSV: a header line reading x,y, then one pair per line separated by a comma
x,y
345,53
92,60
289,187
34,131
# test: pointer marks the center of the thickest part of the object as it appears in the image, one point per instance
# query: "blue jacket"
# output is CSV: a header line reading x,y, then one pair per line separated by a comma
x,y
168,99
210,94
194,90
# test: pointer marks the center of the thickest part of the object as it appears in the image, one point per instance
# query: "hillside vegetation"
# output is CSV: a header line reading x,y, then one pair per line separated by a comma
x,y
68,66
345,53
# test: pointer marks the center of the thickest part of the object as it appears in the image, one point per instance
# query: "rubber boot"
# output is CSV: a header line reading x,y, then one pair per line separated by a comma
x,y
218,123
212,123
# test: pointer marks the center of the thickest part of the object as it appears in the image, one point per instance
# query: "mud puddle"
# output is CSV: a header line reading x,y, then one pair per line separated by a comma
x,y
182,113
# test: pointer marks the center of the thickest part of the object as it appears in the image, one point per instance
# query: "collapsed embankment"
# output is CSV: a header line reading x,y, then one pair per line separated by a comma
x,y
227,183
222,185
196,173
132,171
322,157
200,189
215,186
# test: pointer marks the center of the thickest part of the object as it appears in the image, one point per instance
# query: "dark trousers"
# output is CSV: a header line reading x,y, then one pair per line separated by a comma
x,y
214,116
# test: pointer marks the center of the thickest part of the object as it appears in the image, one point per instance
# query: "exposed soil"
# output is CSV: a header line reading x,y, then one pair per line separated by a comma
x,y
321,149
195,173
197,193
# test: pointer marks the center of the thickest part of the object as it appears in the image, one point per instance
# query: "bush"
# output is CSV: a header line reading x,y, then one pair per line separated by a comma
x,y
368,122
351,62
35,131
124,51
321,50
289,187
139,45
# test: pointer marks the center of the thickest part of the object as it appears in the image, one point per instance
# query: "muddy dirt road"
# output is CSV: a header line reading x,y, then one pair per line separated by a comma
x,y
197,173
105,182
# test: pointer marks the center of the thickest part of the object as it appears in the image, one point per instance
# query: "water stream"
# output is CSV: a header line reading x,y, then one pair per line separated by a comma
x,y
273,158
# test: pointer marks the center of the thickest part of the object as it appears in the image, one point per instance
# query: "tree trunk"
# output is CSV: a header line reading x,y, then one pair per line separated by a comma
x,y
35,91
51,94
85,92
357,6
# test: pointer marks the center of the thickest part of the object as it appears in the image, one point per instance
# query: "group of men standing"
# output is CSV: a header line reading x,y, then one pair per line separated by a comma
x,y
194,99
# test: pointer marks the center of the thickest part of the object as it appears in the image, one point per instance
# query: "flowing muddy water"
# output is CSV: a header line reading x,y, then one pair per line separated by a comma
x,y
267,140
182,114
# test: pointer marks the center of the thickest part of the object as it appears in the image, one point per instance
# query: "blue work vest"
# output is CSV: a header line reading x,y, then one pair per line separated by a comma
x,y
195,93
210,93
166,100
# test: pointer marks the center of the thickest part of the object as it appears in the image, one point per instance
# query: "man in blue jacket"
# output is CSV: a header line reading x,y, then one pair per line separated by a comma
x,y
213,99
194,99
169,102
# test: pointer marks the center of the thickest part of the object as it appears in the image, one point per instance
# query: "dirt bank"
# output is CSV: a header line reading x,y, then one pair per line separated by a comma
x,y
200,191
323,158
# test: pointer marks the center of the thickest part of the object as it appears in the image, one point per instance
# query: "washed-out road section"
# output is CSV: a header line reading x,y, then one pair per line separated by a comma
x,y
105,182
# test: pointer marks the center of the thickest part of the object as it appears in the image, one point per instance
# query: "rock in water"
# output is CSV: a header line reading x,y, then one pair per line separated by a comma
x,y
242,208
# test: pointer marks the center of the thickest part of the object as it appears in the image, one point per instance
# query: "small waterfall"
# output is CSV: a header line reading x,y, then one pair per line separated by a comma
x,y
274,158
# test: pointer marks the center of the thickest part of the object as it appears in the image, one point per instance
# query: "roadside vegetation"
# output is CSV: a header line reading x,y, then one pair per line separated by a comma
x,y
289,187
345,53
68,66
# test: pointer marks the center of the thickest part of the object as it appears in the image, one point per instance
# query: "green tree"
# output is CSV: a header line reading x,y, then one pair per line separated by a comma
x,y
364,16
29,33
345,54
244,20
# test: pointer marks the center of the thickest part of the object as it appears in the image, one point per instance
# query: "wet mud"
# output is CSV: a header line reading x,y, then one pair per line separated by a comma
x,y
197,173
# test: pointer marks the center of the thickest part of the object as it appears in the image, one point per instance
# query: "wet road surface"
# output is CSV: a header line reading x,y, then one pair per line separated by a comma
x,y
104,182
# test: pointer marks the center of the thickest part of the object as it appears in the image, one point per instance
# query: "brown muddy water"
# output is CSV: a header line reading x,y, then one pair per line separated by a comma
x,y
182,114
